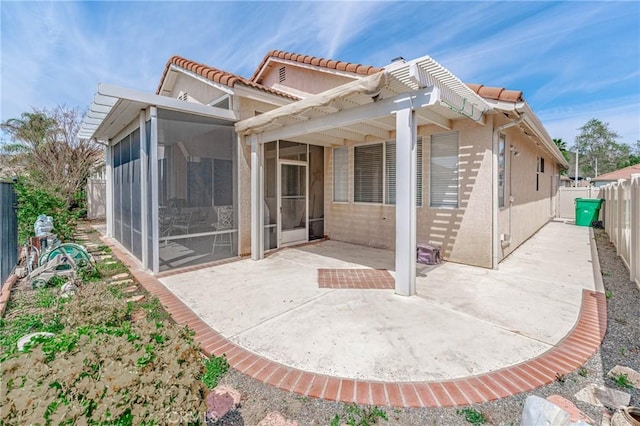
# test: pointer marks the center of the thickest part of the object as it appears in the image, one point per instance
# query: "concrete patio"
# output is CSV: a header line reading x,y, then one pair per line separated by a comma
x,y
464,321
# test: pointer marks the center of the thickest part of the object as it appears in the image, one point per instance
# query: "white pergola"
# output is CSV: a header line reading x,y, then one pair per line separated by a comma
x,y
384,106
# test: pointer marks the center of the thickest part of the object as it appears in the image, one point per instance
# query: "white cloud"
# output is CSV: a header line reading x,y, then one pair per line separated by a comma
x,y
573,60
622,116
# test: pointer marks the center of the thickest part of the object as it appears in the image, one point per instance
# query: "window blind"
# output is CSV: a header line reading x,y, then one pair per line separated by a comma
x,y
368,172
444,170
341,174
390,169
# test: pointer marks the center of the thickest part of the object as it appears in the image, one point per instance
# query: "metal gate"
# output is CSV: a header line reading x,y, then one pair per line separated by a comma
x,y
8,230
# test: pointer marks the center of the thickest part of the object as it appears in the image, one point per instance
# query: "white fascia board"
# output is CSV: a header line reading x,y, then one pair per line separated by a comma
x,y
414,100
260,95
505,106
228,90
534,123
165,102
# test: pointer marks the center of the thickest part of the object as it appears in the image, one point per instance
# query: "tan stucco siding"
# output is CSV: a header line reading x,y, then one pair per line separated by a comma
x,y
198,91
463,233
532,208
303,79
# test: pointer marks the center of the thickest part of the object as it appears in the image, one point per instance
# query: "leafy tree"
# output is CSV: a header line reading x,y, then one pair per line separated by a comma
x,y
51,162
562,146
634,157
597,145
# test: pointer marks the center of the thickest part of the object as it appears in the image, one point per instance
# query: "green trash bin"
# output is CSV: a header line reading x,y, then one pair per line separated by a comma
x,y
587,210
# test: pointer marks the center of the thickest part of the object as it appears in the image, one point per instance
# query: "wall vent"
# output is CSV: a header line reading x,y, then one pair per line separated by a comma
x,y
282,74
183,96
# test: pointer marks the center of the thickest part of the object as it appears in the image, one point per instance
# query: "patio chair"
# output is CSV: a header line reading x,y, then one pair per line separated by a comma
x,y
224,223
181,223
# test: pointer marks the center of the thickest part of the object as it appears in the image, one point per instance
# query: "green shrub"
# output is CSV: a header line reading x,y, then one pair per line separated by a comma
x,y
34,200
215,368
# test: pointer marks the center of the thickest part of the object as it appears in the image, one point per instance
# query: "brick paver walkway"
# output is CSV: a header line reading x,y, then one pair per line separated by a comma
x,y
569,354
356,279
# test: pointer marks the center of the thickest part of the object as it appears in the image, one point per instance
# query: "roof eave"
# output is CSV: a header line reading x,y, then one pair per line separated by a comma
x,y
101,122
534,123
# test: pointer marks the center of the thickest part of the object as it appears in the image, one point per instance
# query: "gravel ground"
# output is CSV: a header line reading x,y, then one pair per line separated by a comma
x,y
621,346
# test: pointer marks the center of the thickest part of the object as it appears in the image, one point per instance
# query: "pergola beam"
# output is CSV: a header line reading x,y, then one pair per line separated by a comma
x,y
435,118
414,100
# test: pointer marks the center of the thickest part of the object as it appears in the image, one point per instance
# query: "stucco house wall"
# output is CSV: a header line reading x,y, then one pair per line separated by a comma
x,y
532,208
464,234
197,90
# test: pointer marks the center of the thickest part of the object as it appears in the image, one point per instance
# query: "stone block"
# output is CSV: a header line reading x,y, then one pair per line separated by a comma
x,y
632,375
120,276
120,282
602,396
221,400
136,299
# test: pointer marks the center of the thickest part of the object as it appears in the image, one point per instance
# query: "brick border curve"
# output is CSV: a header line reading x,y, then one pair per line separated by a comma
x,y
570,353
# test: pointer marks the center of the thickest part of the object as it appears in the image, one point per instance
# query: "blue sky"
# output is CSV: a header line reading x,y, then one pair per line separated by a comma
x,y
573,60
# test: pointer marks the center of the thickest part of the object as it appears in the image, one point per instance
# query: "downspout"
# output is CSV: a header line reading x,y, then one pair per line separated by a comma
x,y
496,204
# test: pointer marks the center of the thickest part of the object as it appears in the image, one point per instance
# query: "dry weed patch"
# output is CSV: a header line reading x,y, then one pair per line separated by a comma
x,y
100,367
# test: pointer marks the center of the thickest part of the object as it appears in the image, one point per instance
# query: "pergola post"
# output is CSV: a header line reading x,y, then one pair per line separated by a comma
x,y
257,200
144,190
155,230
406,149
109,187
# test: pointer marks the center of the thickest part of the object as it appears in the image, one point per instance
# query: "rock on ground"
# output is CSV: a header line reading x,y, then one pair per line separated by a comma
x,y
276,419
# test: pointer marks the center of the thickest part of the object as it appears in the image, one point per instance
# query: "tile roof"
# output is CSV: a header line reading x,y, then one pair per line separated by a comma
x,y
215,75
496,93
620,174
320,62
230,79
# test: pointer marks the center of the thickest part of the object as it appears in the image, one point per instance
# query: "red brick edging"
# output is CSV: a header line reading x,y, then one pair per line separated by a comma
x,y
570,353
6,292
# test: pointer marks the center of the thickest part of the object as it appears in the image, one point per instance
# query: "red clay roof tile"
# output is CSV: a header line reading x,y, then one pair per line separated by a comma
x,y
320,62
496,93
215,75
229,79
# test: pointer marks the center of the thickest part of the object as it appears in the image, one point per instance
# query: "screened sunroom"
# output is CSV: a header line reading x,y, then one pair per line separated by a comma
x,y
172,167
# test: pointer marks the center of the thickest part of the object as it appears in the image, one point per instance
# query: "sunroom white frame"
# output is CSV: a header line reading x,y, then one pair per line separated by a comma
x,y
112,112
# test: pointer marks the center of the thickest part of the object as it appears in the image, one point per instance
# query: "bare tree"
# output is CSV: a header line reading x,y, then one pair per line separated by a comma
x,y
44,147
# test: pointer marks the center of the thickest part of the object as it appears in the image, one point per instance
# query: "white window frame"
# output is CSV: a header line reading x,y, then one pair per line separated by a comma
x,y
502,156
341,175
385,178
444,204
539,171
